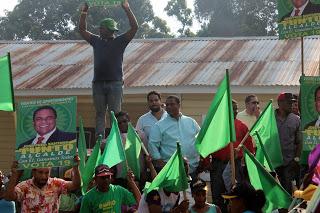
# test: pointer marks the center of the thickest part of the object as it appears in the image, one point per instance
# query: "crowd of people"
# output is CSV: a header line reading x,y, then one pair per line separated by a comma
x,y
159,129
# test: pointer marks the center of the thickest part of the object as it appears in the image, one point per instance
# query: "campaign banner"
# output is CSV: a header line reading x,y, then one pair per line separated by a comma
x,y
310,112
93,3
298,18
46,133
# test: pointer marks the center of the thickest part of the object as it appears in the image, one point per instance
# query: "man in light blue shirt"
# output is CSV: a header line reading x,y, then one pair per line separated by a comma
x,y
174,128
156,113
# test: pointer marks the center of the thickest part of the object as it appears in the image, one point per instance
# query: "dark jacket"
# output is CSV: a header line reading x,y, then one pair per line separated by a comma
x,y
309,9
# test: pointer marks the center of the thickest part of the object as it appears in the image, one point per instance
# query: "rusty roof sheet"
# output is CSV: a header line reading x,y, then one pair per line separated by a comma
x,y
253,61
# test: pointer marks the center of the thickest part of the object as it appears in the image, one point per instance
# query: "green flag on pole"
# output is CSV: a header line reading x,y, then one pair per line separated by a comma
x,y
82,146
266,127
172,176
260,178
92,162
6,91
132,151
113,151
218,127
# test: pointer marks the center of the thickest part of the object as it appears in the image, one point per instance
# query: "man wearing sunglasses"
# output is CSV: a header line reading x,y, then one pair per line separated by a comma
x,y
106,197
250,114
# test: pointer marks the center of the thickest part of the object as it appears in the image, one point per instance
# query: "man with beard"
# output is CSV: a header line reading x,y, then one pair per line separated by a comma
x,y
156,113
41,193
290,140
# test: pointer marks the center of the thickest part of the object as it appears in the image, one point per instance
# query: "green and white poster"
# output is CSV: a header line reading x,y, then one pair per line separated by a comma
x,y
46,133
298,18
310,112
93,3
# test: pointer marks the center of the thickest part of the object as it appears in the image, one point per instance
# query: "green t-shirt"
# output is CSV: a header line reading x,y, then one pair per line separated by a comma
x,y
106,202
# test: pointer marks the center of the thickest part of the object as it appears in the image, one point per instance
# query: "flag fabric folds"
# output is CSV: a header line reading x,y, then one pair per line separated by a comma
x,y
92,162
218,128
132,151
6,92
266,127
172,176
260,178
113,151
82,146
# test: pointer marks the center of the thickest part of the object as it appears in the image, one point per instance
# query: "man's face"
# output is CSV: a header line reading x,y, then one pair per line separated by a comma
x,y
252,105
105,33
317,101
286,106
123,123
298,3
44,121
154,103
172,107
41,176
103,182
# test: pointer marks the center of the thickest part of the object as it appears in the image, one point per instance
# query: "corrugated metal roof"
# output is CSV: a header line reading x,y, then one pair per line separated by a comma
x,y
253,61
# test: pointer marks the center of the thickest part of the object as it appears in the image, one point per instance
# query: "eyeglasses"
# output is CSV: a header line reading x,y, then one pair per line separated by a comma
x,y
106,177
255,102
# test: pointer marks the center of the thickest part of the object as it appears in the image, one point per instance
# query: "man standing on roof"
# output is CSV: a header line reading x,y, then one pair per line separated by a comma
x,y
108,52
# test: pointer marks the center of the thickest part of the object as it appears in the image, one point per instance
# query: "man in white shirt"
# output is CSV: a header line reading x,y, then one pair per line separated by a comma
x,y
251,112
156,113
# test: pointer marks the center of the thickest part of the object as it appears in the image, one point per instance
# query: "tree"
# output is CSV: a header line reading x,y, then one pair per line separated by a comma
x,y
58,19
236,17
178,8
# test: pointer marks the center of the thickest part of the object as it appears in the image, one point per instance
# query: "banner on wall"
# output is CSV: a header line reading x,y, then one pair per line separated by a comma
x,y
93,3
298,18
46,133
310,113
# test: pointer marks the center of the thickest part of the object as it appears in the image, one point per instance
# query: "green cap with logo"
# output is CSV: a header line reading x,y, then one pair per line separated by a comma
x,y
110,24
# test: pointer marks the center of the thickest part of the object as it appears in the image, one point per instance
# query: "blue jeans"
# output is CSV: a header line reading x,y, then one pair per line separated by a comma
x,y
107,95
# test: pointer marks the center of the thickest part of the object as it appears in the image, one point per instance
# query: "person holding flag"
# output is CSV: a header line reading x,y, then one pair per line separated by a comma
x,y
108,58
106,197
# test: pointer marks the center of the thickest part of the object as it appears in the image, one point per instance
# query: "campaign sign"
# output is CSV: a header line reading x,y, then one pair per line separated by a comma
x,y
93,3
46,133
310,111
298,18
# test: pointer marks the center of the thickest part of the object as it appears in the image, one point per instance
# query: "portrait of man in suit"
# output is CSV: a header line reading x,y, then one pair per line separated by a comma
x,y
44,123
315,123
302,7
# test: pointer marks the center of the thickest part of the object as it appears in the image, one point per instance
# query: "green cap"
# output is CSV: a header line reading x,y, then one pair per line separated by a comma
x,y
109,23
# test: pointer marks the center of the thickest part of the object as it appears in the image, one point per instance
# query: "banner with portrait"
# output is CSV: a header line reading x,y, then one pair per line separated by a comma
x,y
310,112
93,3
46,133
298,18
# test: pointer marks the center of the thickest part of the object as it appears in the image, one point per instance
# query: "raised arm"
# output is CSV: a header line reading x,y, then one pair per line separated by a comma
x,y
132,21
10,193
133,186
76,180
83,23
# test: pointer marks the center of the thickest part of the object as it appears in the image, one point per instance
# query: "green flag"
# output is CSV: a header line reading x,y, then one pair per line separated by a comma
x,y
6,91
218,127
132,151
82,146
113,151
260,178
172,176
90,165
266,127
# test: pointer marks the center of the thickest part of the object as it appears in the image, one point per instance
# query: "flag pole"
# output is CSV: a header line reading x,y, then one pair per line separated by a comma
x,y
233,166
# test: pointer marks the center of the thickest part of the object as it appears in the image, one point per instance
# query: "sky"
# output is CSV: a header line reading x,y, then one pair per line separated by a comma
x,y
158,6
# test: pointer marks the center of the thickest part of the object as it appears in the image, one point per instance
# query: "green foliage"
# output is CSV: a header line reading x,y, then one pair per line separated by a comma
x,y
58,19
178,8
236,17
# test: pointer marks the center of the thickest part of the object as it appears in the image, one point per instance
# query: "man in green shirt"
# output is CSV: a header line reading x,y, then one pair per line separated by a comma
x,y
108,198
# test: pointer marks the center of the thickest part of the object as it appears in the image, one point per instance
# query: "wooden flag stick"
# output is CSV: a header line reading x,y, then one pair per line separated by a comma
x,y
232,164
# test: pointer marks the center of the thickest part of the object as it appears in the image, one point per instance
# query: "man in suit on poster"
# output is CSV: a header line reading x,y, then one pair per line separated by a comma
x,y
315,123
302,7
44,122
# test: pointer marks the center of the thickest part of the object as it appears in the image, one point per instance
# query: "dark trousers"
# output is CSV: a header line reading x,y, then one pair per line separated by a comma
x,y
287,174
